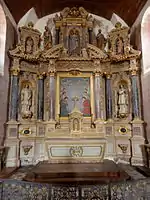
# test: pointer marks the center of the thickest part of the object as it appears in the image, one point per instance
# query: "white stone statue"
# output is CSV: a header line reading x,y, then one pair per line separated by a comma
x,y
26,101
122,100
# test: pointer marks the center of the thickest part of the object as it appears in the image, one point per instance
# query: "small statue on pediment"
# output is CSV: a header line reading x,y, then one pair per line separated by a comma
x,y
47,38
29,45
101,41
119,46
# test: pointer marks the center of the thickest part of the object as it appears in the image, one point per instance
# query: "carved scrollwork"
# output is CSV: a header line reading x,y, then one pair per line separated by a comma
x,y
76,151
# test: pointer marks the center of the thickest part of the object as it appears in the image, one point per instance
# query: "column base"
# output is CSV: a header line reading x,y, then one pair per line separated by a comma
x,y
50,126
138,151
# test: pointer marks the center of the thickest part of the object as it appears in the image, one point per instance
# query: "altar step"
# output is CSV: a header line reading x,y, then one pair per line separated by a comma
x,y
88,173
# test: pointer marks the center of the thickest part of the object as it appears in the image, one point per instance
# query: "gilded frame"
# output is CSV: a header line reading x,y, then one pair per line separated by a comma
x,y
65,74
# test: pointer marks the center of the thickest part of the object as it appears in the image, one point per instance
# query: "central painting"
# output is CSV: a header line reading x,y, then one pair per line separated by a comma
x,y
74,91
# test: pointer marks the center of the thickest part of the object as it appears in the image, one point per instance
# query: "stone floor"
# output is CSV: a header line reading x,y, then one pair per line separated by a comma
x,y
138,188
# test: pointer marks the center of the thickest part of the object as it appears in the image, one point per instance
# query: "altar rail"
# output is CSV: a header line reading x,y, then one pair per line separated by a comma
x,y
20,190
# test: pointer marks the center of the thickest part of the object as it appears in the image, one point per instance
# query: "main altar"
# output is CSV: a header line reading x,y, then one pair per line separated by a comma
x,y
74,96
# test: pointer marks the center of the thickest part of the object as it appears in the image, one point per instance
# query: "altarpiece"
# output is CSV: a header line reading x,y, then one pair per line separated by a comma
x,y
74,97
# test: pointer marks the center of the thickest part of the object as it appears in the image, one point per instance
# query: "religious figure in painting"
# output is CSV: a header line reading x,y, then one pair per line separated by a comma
x,y
26,101
29,45
101,41
122,100
47,38
86,106
119,46
64,106
72,91
74,43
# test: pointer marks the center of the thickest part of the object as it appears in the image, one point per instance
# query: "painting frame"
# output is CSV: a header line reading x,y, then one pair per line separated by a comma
x,y
69,75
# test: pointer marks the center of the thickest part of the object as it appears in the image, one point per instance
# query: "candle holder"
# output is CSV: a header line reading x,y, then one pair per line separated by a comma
x,y
123,147
26,149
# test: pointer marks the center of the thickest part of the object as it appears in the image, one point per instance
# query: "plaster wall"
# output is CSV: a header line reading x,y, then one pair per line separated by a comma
x,y
4,78
138,43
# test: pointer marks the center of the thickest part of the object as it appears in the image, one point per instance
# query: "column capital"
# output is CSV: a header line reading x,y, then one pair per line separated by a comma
x,y
40,75
134,69
98,73
90,28
51,74
51,67
134,72
15,71
108,75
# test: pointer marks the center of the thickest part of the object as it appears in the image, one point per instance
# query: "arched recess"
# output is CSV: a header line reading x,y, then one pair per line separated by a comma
x,y
2,39
145,38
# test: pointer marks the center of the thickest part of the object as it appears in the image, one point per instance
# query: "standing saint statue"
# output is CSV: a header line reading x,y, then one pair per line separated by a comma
x,y
101,41
119,46
122,101
74,43
47,38
26,101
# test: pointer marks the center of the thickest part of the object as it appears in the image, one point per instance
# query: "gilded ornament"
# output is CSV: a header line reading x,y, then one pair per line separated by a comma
x,y
15,71
26,131
134,72
26,149
123,147
76,151
41,75
123,130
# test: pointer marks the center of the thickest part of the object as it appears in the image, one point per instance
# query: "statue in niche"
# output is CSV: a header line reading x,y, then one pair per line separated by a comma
x,y
101,41
122,101
74,43
119,46
75,125
47,38
29,45
26,101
